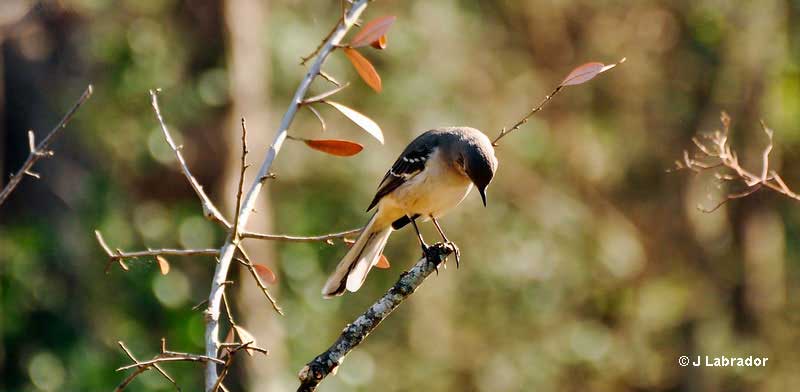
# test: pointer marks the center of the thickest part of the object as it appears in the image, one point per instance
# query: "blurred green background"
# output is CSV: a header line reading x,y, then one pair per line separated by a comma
x,y
590,269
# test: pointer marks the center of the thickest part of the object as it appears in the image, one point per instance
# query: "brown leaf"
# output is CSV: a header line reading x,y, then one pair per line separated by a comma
x,y
380,44
265,274
163,264
245,337
342,148
587,72
364,68
361,120
383,263
372,31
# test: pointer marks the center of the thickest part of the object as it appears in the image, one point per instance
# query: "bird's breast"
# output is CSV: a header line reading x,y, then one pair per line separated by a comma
x,y
434,191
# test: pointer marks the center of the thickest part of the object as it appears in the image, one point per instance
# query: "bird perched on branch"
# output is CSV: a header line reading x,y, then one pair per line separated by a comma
x,y
432,175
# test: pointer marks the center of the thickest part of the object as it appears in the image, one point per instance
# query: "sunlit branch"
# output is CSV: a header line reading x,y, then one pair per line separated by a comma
x,y
354,333
209,209
41,150
291,238
228,250
715,153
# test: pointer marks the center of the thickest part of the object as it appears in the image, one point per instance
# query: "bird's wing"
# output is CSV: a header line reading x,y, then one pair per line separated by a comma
x,y
410,163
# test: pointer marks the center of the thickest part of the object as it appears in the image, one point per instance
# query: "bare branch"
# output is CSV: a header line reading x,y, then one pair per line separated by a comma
x,y
40,151
328,238
142,367
235,232
353,334
209,210
504,131
247,262
118,255
716,153
228,250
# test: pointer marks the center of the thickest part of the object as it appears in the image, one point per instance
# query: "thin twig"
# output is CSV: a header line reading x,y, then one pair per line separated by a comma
x,y
328,238
522,121
209,209
228,250
235,232
304,60
233,349
716,147
353,334
142,366
118,255
247,262
37,152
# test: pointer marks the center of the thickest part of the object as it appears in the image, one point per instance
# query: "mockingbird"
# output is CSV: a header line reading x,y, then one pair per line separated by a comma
x,y
432,175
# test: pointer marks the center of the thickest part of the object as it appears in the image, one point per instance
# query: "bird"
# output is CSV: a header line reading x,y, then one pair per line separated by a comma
x,y
431,176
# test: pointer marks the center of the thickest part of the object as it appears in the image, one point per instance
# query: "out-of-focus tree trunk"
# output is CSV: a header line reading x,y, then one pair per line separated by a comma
x,y
2,116
248,70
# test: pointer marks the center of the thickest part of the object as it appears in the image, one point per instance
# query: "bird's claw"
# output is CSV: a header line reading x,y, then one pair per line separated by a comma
x,y
452,245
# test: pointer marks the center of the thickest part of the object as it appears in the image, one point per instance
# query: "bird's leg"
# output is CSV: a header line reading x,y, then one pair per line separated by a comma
x,y
422,243
446,241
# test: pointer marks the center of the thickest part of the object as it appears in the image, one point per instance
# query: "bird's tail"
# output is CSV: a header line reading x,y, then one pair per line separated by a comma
x,y
356,264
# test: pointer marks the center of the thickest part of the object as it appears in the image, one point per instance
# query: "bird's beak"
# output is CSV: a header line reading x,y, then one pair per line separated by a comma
x,y
483,195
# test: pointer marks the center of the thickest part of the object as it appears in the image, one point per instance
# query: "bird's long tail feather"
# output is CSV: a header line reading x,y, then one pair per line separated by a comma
x,y
359,260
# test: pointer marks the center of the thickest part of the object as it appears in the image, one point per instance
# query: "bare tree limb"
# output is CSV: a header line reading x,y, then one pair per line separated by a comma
x,y
229,248
119,256
209,209
41,150
353,334
522,121
280,237
716,153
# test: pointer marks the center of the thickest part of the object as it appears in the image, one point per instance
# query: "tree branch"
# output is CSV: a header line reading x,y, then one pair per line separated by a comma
x,y
41,150
716,153
209,210
117,255
352,335
229,248
522,121
280,237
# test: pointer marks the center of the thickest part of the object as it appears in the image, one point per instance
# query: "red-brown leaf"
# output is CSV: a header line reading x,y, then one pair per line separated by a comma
x,y
380,44
364,69
587,72
163,264
372,31
265,273
342,148
383,263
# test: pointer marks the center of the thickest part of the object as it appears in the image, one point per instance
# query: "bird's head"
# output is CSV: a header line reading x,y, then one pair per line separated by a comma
x,y
478,161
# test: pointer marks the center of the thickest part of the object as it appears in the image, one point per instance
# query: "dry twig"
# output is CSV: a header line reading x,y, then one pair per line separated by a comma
x,y
41,150
117,255
209,210
353,334
715,153
522,121
327,238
